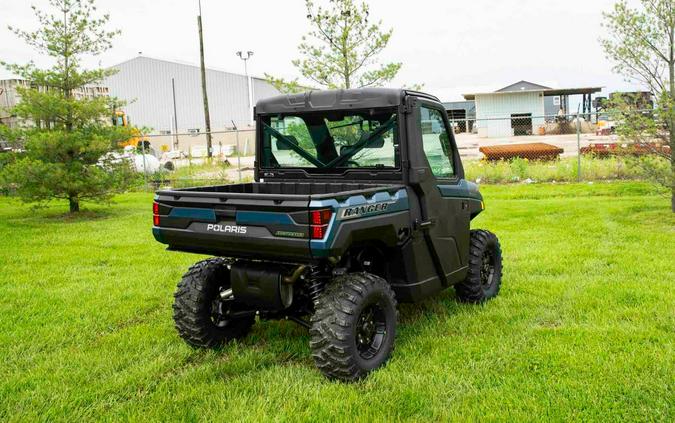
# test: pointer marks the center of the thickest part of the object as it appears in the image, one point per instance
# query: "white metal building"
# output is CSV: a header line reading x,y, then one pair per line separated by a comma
x,y
523,108
145,84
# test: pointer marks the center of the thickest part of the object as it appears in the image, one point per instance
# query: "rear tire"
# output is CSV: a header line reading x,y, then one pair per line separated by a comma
x,y
353,328
200,316
484,278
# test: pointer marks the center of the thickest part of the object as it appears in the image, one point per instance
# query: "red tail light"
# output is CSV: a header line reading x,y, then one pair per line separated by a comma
x,y
320,217
318,221
155,214
318,232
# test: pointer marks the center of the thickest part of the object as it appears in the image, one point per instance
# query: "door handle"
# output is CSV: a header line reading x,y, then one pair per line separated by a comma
x,y
425,224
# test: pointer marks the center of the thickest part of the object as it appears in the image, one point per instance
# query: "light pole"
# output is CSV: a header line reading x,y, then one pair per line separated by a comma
x,y
245,56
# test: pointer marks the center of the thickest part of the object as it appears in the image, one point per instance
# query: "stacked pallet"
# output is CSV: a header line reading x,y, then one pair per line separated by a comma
x,y
636,149
530,151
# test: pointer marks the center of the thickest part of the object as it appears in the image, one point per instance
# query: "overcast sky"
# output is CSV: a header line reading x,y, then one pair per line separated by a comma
x,y
450,46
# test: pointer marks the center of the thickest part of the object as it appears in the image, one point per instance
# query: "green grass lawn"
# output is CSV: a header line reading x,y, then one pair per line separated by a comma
x,y
584,327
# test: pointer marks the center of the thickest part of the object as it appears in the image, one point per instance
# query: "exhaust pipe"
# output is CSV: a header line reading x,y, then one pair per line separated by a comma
x,y
290,279
226,294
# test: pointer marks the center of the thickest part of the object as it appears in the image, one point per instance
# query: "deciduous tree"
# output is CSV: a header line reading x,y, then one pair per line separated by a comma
x,y
341,50
641,43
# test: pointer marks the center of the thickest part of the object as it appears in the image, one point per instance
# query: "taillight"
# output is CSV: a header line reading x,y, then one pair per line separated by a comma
x,y
320,217
155,214
318,223
318,232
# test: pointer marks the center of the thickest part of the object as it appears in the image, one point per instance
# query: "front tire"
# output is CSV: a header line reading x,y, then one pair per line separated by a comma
x,y
202,318
484,278
353,328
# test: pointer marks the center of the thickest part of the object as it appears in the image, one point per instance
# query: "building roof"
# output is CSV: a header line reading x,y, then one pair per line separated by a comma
x,y
572,91
181,63
529,87
523,86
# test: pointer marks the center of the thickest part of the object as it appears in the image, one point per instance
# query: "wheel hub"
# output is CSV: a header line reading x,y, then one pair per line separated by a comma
x,y
220,311
487,269
370,331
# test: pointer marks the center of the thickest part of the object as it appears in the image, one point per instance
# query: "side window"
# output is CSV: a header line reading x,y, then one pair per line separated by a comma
x,y
436,142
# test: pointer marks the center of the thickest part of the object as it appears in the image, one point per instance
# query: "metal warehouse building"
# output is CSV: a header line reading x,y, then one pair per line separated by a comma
x,y
146,85
523,108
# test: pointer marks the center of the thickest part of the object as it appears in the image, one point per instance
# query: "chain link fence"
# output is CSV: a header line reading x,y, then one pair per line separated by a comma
x,y
559,148
513,149
181,159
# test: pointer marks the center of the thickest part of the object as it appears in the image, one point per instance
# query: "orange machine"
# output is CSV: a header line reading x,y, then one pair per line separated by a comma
x,y
119,118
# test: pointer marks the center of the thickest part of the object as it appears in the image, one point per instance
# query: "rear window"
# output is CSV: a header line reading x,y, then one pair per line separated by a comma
x,y
331,140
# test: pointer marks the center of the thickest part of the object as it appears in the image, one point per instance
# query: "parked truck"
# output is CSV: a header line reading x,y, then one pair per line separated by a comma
x,y
359,202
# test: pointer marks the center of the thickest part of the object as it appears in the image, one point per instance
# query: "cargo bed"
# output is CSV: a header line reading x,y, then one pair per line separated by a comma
x,y
252,220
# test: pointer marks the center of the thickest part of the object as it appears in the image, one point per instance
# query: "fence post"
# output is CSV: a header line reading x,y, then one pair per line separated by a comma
x,y
238,155
236,135
578,147
145,166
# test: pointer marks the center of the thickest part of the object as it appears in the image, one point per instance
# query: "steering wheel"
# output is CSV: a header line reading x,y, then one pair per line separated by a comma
x,y
353,163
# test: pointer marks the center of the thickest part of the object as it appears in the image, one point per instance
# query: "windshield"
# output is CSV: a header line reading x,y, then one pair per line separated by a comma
x,y
331,140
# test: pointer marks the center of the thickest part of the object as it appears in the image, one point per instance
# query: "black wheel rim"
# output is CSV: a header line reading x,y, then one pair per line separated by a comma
x,y
371,331
220,311
487,269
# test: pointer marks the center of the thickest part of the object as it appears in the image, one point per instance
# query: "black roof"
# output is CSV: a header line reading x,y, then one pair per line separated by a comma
x,y
359,98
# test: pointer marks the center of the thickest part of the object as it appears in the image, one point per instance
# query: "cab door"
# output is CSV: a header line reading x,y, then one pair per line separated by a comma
x,y
435,168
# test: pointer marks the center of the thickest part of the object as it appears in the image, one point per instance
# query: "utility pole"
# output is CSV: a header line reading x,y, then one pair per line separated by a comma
x,y
207,116
245,56
175,116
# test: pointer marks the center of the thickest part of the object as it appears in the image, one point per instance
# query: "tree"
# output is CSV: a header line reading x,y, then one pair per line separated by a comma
x,y
341,49
68,138
641,43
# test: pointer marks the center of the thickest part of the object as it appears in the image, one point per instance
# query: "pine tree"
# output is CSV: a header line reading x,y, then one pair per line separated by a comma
x,y
68,137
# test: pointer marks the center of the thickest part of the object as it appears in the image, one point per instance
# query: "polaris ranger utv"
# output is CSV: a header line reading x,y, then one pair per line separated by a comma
x,y
359,201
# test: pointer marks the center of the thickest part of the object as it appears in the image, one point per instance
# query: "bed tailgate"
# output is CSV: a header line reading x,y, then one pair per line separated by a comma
x,y
239,225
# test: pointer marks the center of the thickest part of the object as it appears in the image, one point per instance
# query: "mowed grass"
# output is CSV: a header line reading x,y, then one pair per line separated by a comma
x,y
584,327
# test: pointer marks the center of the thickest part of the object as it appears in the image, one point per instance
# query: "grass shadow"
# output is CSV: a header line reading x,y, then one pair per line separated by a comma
x,y
52,213
56,211
272,343
81,216
284,343
442,304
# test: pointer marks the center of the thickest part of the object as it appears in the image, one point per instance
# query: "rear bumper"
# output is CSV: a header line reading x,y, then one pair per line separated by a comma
x,y
259,244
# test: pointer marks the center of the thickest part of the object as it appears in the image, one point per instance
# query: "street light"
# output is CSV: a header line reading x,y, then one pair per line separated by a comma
x,y
245,56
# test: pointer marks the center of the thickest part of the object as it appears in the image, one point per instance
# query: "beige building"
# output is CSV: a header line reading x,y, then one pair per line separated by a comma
x,y
10,97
